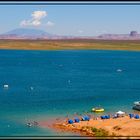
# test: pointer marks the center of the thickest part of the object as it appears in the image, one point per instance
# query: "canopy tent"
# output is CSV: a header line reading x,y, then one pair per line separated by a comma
x,y
120,113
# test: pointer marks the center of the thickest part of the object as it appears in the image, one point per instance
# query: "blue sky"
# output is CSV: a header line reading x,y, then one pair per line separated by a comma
x,y
84,20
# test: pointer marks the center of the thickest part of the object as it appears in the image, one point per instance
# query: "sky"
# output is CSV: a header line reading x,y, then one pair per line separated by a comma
x,y
81,20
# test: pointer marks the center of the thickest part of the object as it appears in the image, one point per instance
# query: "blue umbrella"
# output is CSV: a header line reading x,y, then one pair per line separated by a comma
x,y
137,116
131,115
70,121
77,120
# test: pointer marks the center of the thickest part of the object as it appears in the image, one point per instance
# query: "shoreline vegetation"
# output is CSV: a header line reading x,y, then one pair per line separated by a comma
x,y
70,44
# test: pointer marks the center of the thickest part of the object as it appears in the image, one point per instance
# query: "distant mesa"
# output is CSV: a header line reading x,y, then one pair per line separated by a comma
x,y
28,33
36,34
133,33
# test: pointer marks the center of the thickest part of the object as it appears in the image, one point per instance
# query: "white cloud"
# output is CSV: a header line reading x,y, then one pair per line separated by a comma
x,y
36,22
37,16
49,23
30,23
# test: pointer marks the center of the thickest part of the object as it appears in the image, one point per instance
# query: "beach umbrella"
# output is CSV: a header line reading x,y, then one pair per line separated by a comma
x,y
103,117
137,116
77,120
85,118
70,121
107,116
131,115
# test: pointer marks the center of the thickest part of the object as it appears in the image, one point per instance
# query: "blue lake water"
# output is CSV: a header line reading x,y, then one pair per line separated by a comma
x,y
46,84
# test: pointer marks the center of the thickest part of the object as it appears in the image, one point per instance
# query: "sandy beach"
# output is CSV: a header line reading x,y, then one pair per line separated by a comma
x,y
123,126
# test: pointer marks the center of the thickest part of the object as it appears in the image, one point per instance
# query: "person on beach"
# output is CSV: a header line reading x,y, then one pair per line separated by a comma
x,y
29,124
35,123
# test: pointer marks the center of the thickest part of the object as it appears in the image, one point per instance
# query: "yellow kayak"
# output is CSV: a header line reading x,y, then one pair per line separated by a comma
x,y
97,109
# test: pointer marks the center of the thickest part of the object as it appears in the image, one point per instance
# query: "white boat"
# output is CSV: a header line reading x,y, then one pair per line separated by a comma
x,y
136,105
119,70
5,86
31,88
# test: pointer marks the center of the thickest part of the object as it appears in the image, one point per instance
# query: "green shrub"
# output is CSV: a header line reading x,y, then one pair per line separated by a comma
x,y
94,129
99,132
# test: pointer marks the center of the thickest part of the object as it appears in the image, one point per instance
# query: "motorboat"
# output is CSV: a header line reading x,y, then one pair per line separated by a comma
x,y
5,86
31,88
136,105
119,70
